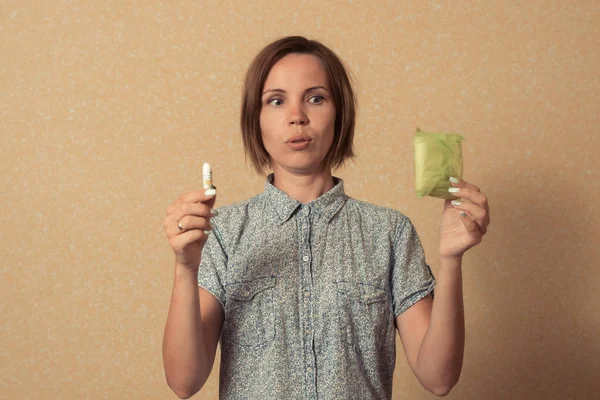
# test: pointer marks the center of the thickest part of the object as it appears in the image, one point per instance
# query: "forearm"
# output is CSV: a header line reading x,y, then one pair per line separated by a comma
x,y
184,352
441,353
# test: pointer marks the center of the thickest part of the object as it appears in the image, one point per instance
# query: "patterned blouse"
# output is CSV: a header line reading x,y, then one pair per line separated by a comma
x,y
310,293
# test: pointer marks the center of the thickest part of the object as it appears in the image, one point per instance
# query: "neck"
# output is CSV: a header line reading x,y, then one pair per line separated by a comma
x,y
304,188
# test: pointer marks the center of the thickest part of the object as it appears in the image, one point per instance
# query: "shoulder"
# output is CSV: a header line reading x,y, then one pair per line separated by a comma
x,y
236,213
233,220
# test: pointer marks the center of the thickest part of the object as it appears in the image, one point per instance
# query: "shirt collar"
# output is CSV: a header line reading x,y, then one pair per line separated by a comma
x,y
284,206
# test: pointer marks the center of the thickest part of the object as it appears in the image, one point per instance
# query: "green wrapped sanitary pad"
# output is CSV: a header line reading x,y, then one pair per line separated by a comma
x,y
438,156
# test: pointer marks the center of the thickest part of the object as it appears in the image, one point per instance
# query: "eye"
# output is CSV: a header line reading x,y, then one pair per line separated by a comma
x,y
275,102
317,99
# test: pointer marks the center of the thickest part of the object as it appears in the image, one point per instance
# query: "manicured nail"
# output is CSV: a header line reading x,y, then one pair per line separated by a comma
x,y
453,190
456,203
454,180
210,192
207,233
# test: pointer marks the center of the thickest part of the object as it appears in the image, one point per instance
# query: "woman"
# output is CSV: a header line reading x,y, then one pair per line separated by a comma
x,y
304,286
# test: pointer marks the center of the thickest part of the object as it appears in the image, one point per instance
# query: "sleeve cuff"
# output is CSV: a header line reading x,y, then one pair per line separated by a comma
x,y
218,296
415,297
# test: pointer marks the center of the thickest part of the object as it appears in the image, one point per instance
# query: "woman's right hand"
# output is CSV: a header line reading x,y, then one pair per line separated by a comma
x,y
187,220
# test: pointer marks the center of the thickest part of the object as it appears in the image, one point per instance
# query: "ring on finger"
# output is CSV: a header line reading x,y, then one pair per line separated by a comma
x,y
179,226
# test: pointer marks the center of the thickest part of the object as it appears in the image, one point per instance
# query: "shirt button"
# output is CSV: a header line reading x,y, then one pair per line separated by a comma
x,y
307,293
308,369
305,258
245,293
304,226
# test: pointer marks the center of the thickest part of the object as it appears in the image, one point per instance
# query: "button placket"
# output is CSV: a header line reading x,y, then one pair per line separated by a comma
x,y
307,298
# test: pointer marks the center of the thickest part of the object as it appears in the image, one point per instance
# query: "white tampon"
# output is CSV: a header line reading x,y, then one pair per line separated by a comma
x,y
207,184
207,176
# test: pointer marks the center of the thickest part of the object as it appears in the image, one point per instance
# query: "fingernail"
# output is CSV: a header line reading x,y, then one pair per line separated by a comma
x,y
210,192
453,190
464,214
456,203
207,233
454,180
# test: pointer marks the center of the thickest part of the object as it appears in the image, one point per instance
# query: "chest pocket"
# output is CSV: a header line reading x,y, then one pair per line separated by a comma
x,y
364,315
249,312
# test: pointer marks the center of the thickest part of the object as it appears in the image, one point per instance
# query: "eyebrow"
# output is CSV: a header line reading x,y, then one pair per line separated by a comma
x,y
307,90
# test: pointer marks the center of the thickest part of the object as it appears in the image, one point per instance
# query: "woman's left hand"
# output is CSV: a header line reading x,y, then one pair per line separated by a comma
x,y
464,221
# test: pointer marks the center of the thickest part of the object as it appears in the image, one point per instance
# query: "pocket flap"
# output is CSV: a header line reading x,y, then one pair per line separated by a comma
x,y
362,292
246,290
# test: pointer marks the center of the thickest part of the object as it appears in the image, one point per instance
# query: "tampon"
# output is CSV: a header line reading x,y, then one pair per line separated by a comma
x,y
207,176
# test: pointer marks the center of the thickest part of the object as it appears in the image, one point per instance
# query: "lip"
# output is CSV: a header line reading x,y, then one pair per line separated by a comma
x,y
298,142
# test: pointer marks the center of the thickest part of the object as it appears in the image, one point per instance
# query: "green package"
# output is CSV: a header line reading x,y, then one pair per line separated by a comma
x,y
438,156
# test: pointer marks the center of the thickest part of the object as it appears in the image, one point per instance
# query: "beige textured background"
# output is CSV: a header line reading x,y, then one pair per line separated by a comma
x,y
109,108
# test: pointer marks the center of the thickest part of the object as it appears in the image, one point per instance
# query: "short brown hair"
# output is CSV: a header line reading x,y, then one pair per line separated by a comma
x,y
344,99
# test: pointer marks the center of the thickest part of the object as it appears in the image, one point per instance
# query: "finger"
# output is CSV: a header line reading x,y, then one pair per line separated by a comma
x,y
179,242
188,223
472,195
470,224
463,184
198,209
181,208
210,202
477,214
202,195
185,209
197,196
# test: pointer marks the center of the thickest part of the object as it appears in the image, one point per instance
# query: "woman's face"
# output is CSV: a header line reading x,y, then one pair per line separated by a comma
x,y
297,119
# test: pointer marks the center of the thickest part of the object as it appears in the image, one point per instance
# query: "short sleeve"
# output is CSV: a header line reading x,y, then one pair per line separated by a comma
x,y
412,279
213,264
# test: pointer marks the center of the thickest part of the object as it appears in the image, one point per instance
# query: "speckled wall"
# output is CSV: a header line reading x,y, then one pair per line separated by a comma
x,y
109,108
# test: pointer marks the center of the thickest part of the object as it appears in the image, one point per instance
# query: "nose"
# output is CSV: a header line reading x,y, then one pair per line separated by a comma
x,y
298,116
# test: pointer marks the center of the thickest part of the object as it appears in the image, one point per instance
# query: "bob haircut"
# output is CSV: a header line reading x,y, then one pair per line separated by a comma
x,y
341,91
